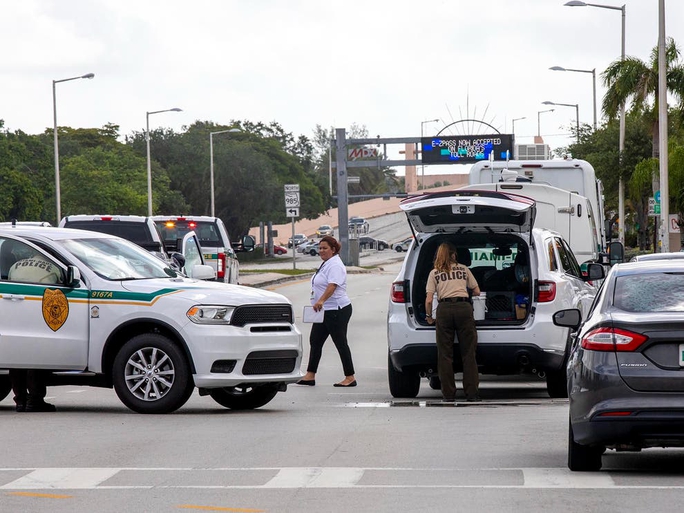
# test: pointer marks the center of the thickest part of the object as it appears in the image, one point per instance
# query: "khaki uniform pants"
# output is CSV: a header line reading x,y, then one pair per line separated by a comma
x,y
456,319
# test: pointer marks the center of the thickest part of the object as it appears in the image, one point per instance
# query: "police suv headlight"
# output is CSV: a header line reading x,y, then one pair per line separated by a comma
x,y
210,314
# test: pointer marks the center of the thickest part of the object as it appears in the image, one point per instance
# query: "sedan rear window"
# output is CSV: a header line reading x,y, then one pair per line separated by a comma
x,y
652,292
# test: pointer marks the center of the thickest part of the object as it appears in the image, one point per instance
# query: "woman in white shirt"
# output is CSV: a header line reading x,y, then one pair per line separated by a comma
x,y
329,293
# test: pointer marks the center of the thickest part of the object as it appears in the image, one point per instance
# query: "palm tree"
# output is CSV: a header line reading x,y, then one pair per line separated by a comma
x,y
637,80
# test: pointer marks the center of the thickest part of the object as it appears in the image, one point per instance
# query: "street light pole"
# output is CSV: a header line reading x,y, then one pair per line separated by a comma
x,y
513,124
593,75
58,197
149,160
576,105
621,147
211,162
422,166
539,113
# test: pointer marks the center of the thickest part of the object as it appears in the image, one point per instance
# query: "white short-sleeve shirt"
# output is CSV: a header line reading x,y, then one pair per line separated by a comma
x,y
331,271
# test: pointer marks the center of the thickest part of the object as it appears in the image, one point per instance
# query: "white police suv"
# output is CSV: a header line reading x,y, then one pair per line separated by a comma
x,y
525,275
112,314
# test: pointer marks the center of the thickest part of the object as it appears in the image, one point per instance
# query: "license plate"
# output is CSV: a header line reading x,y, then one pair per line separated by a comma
x,y
681,355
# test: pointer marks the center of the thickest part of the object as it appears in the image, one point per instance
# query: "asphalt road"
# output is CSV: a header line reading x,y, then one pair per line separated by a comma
x,y
322,449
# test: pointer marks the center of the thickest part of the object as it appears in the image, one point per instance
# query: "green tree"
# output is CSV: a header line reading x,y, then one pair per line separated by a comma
x,y
636,80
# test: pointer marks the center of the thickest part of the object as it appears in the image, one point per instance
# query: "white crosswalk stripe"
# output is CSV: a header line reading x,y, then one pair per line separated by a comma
x,y
317,477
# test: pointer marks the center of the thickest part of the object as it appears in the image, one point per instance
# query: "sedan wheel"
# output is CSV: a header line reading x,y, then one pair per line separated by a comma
x,y
151,375
582,458
245,397
399,249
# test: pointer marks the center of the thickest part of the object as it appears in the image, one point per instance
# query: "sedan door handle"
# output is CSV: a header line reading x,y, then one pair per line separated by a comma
x,y
13,297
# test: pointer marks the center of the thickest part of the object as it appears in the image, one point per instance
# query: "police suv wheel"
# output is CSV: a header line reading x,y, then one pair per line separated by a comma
x,y
5,386
151,375
245,397
402,384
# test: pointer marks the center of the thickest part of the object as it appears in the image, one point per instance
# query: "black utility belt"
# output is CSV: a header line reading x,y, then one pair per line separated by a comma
x,y
455,300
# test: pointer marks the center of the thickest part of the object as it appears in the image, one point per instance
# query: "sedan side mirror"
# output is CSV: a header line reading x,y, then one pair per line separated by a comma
x,y
570,318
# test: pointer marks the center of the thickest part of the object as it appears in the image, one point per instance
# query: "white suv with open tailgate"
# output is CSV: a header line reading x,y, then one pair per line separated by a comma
x,y
525,275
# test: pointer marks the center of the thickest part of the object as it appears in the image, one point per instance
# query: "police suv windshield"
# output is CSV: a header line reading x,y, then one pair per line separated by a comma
x,y
117,259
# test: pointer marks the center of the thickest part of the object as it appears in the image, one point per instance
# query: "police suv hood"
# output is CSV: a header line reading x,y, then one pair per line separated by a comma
x,y
205,292
472,210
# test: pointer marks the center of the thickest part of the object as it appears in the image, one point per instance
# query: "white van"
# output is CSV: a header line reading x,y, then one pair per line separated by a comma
x,y
573,175
563,211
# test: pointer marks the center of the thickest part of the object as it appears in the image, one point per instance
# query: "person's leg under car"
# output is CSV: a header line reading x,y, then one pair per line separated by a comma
x,y
35,383
18,380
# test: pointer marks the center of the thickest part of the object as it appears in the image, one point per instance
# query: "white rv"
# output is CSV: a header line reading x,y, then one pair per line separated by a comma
x,y
572,175
563,211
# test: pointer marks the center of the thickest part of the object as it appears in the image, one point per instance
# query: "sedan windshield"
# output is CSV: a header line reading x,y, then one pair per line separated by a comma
x,y
652,292
117,259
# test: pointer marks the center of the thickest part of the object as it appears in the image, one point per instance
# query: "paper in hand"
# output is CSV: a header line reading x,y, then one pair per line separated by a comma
x,y
310,315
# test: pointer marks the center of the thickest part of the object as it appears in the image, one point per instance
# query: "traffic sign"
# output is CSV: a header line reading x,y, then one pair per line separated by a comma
x,y
657,196
292,212
291,199
292,196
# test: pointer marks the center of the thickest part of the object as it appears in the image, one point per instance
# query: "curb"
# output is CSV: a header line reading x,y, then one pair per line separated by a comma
x,y
285,279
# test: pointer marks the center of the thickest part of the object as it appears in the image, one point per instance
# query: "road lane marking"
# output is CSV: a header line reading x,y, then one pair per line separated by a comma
x,y
220,508
61,478
316,477
41,495
565,478
326,478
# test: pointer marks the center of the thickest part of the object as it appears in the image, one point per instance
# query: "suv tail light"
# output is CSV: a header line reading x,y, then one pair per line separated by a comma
x,y
613,339
547,291
221,266
397,293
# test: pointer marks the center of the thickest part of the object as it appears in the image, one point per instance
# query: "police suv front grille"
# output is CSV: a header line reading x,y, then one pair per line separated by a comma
x,y
270,362
253,314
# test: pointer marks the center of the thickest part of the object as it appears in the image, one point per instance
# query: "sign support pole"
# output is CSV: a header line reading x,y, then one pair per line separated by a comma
x,y
294,248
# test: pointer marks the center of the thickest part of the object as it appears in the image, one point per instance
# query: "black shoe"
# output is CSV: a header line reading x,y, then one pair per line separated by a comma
x,y
352,384
21,407
308,382
40,407
474,399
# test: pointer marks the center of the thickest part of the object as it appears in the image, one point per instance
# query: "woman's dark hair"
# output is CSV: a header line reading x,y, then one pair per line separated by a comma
x,y
332,242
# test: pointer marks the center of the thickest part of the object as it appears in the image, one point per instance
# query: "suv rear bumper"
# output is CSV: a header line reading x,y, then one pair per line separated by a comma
x,y
491,358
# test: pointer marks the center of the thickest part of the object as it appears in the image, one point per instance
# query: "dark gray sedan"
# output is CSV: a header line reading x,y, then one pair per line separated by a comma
x,y
626,366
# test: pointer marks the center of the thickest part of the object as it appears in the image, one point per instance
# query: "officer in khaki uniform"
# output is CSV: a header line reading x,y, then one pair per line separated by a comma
x,y
451,281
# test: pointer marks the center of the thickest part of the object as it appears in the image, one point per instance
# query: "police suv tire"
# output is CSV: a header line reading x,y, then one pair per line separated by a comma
x,y
402,384
172,378
583,458
5,386
244,398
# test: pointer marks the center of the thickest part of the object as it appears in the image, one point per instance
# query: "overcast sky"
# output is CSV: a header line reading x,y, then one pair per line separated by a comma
x,y
385,64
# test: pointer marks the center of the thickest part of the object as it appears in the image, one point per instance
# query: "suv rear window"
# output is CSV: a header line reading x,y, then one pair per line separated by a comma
x,y
207,232
138,233
653,292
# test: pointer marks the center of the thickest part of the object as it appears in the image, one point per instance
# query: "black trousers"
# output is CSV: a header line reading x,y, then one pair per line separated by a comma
x,y
456,319
28,385
334,324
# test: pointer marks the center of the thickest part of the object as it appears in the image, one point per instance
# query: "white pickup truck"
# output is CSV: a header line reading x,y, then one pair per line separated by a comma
x,y
119,317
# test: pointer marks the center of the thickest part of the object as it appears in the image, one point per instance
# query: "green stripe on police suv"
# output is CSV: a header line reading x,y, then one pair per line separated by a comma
x,y
38,290
129,296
